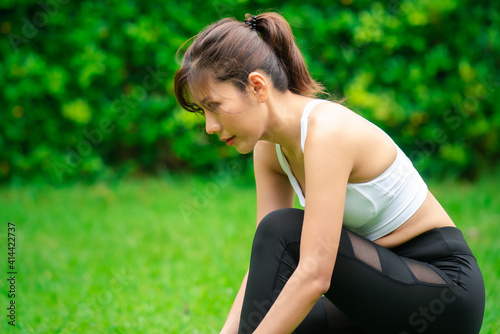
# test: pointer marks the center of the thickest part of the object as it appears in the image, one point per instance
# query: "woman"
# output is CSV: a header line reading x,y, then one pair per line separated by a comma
x,y
373,251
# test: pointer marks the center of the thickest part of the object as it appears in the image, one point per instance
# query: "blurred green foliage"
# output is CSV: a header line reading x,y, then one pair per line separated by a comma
x,y
88,92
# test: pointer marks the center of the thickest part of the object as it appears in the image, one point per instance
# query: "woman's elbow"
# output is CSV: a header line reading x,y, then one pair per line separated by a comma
x,y
323,285
318,279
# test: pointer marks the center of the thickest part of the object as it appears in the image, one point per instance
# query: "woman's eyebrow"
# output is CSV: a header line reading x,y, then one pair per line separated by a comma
x,y
205,100
209,103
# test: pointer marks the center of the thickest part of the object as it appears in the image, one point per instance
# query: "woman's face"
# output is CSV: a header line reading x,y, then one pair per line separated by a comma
x,y
233,115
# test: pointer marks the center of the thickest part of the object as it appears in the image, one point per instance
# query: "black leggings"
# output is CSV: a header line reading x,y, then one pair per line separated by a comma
x,y
430,284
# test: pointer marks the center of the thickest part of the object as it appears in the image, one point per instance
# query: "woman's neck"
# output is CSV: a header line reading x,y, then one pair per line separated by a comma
x,y
284,114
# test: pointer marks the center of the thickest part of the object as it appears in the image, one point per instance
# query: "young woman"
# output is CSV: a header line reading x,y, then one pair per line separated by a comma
x,y
373,251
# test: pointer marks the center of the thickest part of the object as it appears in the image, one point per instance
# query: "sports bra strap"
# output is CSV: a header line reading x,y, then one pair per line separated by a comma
x,y
305,120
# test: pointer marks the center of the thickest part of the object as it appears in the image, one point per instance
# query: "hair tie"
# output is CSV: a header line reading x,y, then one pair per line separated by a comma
x,y
252,23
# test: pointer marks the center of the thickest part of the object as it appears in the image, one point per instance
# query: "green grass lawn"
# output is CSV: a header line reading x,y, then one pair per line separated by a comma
x,y
167,255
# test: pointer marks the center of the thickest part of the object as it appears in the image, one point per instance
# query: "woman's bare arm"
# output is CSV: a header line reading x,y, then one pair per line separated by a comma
x,y
273,192
329,158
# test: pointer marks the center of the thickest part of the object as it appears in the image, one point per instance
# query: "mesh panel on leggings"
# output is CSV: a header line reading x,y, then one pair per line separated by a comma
x,y
423,273
365,251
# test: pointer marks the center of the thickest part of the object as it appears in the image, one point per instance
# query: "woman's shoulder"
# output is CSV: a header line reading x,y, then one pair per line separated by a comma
x,y
334,114
264,147
336,119
265,155
335,128
333,119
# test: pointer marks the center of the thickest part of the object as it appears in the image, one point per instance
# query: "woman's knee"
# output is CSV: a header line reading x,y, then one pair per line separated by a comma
x,y
278,224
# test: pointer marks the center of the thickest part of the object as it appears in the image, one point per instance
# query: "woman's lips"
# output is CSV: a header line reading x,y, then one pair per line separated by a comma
x,y
230,141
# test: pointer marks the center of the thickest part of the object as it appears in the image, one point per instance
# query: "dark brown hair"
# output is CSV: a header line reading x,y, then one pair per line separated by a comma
x,y
230,50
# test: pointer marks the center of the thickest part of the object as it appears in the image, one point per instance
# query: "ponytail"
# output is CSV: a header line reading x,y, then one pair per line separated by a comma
x,y
229,50
277,33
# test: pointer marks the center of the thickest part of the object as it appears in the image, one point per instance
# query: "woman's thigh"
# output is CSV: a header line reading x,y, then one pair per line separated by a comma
x,y
384,292
378,289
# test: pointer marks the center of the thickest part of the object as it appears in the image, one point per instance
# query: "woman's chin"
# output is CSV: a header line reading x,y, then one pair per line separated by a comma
x,y
243,149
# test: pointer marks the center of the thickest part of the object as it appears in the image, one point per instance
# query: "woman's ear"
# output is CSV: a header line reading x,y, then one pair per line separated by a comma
x,y
258,84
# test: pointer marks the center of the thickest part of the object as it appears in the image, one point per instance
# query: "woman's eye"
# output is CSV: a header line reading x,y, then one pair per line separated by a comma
x,y
198,109
213,105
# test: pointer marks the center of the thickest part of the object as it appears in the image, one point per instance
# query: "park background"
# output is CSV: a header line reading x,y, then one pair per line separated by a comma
x,y
129,219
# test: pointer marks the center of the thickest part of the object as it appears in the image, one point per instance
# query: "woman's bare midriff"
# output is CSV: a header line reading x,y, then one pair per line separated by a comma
x,y
429,216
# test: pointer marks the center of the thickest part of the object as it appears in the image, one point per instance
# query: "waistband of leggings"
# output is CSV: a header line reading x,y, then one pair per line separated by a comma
x,y
436,243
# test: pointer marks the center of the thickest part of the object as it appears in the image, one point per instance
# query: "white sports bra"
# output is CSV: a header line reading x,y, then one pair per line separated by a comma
x,y
377,207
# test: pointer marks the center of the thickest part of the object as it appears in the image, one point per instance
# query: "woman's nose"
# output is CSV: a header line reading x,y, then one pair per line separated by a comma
x,y
211,125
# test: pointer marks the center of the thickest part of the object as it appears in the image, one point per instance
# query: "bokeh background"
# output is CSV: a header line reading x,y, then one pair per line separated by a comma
x,y
130,218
